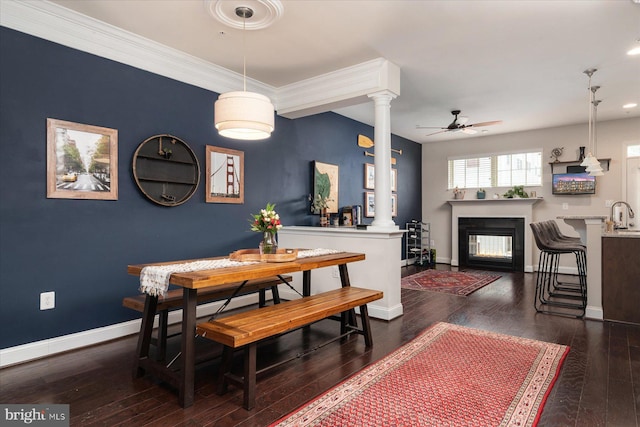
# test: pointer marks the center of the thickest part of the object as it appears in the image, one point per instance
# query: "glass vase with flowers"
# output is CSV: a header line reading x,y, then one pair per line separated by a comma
x,y
267,222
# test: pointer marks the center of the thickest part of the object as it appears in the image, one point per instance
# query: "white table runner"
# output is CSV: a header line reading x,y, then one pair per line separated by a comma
x,y
154,279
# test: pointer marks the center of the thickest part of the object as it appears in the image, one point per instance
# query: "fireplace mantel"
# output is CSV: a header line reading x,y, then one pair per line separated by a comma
x,y
497,208
489,202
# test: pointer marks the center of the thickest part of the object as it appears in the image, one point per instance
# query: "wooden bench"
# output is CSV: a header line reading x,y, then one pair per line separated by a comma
x,y
245,329
173,300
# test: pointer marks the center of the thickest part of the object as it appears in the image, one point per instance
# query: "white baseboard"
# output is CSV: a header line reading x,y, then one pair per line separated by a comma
x,y
49,347
384,313
594,313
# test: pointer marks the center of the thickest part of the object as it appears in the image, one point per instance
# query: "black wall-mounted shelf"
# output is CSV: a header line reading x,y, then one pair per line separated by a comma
x,y
603,162
166,170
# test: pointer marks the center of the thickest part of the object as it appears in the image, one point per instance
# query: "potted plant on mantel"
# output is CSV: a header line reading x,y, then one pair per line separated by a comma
x,y
481,194
517,192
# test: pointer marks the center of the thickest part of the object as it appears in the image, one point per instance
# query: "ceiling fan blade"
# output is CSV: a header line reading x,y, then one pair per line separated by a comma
x,y
497,122
435,133
469,131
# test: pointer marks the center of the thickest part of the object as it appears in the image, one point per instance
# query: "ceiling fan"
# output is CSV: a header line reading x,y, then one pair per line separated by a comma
x,y
459,124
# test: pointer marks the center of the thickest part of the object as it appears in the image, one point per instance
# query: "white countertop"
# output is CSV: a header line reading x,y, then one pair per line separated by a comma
x,y
623,233
602,217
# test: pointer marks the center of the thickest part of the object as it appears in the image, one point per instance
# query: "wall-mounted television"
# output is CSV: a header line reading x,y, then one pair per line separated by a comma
x,y
573,183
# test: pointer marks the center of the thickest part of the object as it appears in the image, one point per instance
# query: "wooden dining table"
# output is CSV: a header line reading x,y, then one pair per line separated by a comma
x,y
183,378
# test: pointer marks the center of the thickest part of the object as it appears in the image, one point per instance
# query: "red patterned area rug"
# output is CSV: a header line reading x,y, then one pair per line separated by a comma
x,y
452,282
448,376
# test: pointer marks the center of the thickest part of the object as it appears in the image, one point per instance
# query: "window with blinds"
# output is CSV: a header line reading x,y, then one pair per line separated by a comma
x,y
502,170
633,151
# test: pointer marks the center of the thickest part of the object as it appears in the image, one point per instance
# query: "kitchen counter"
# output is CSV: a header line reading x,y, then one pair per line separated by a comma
x,y
620,273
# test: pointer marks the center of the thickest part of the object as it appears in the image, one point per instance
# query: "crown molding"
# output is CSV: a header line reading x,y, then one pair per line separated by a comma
x,y
341,88
55,23
337,89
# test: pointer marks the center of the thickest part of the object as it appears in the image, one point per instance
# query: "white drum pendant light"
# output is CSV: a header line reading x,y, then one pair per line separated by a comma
x,y
244,115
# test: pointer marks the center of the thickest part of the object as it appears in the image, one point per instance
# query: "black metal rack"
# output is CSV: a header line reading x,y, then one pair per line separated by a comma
x,y
418,243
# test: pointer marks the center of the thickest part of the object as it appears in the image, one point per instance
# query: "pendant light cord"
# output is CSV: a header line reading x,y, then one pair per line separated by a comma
x,y
590,115
244,53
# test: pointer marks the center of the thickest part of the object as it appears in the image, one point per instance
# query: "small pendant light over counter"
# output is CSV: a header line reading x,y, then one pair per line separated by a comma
x,y
591,162
244,115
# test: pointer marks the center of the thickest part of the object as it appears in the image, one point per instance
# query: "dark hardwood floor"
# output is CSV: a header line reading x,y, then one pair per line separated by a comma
x,y
599,384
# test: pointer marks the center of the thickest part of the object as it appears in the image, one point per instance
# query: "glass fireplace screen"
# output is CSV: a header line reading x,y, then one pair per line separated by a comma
x,y
482,246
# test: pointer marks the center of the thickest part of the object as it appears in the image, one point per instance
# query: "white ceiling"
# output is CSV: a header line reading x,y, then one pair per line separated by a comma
x,y
521,62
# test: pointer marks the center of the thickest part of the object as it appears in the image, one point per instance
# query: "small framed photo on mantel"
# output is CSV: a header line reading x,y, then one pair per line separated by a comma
x,y
82,161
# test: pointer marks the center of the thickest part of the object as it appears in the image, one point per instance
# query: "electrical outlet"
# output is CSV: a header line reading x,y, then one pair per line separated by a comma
x,y
47,300
608,203
335,273
565,206
433,243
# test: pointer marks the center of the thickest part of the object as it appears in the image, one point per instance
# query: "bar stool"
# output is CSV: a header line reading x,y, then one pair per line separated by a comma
x,y
552,231
558,235
550,294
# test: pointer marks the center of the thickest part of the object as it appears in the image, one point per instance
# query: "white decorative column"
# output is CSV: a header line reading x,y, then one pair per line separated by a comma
x,y
382,150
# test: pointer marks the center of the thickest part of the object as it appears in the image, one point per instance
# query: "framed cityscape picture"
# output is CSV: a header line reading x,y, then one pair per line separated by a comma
x,y
82,161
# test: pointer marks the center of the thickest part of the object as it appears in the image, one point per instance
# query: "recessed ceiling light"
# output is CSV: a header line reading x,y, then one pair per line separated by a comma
x,y
630,105
635,50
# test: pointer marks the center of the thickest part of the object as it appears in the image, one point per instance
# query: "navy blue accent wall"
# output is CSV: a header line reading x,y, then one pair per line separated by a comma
x,y
81,248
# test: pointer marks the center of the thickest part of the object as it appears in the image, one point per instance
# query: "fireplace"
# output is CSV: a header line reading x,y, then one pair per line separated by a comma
x,y
491,243
494,208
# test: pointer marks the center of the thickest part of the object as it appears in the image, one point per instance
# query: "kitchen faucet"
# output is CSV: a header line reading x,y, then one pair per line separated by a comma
x,y
630,213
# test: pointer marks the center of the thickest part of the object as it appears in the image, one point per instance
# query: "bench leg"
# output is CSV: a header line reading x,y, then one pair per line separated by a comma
x,y
249,382
262,298
225,366
366,326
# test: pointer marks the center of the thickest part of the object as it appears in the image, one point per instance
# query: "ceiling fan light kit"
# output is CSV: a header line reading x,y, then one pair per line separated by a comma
x,y
241,114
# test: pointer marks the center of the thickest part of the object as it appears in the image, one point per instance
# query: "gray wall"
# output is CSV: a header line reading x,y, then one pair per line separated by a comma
x,y
612,136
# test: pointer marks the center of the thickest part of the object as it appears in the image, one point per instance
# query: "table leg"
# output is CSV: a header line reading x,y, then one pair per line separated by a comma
x,y
144,338
187,383
344,275
306,283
